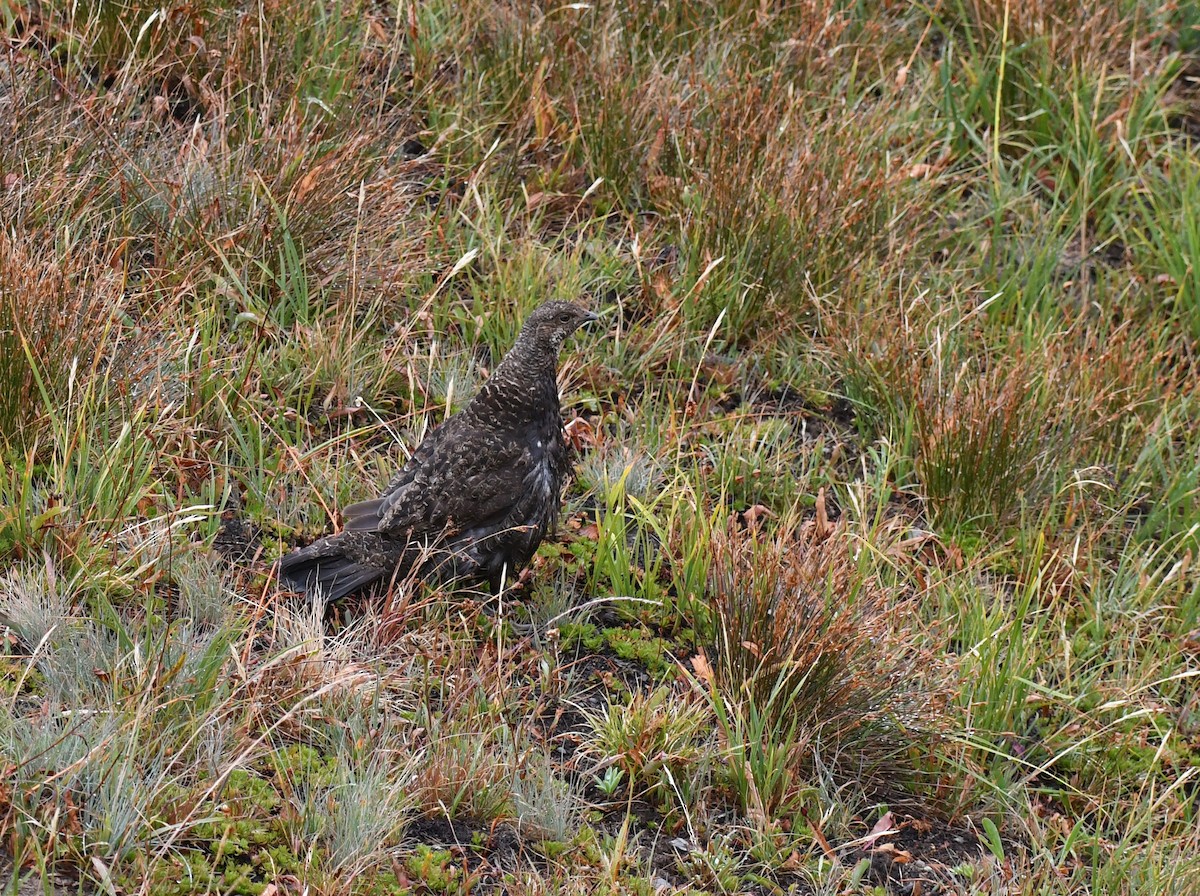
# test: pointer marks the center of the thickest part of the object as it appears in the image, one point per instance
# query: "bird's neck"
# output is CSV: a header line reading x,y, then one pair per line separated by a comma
x,y
523,386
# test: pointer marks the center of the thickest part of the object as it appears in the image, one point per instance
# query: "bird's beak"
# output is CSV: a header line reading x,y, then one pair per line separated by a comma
x,y
590,318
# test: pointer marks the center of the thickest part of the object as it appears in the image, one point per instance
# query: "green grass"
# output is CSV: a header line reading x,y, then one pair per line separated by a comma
x,y
887,483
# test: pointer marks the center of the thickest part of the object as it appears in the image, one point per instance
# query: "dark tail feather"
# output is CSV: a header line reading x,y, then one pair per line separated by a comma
x,y
334,577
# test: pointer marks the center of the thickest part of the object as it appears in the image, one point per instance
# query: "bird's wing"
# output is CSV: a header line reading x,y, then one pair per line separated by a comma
x,y
459,477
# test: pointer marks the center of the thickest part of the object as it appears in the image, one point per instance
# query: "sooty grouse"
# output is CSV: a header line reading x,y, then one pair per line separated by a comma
x,y
477,495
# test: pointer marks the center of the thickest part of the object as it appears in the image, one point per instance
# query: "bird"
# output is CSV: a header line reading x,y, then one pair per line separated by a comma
x,y
476,497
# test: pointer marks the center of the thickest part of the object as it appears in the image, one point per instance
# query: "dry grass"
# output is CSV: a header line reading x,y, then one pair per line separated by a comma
x,y
55,312
799,625
815,671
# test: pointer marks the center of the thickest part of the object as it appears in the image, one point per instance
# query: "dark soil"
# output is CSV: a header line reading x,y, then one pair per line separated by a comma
x,y
921,856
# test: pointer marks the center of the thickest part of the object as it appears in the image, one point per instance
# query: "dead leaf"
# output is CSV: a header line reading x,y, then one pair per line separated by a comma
x,y
819,836
955,557
580,434
886,825
899,856
824,527
702,669
656,147
73,825
793,862
307,183
920,171
920,825
753,514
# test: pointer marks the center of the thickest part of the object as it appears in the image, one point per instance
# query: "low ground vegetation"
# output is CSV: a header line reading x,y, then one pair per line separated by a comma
x,y
878,570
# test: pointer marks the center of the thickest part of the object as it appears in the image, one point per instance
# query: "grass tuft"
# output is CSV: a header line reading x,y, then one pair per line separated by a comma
x,y
808,663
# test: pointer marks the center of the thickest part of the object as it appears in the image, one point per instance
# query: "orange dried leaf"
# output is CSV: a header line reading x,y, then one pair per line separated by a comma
x,y
702,669
824,527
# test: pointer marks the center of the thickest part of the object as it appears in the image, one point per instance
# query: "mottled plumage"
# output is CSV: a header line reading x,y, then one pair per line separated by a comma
x,y
477,496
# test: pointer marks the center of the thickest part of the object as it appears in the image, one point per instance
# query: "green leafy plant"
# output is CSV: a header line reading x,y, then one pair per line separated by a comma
x,y
654,739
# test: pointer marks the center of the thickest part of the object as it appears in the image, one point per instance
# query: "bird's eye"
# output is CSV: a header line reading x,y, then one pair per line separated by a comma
x,y
565,317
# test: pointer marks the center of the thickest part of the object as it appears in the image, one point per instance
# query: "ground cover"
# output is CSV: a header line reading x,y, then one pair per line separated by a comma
x,y
877,570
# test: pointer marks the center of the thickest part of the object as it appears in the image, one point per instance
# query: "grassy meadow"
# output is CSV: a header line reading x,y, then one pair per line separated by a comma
x,y
878,570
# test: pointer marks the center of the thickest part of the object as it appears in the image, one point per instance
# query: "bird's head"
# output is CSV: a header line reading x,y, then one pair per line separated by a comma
x,y
553,322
